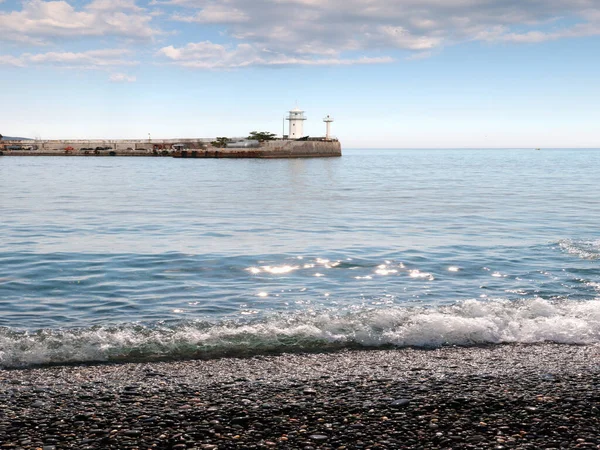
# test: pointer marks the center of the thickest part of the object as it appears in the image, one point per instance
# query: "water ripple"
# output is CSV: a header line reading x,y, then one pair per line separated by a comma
x,y
128,255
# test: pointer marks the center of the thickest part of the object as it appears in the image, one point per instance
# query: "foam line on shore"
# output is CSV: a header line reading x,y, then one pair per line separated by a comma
x,y
467,323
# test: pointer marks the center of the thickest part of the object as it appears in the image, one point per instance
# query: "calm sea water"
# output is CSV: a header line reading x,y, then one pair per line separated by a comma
x,y
146,258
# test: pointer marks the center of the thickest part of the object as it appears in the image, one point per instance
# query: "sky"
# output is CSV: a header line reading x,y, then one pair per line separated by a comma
x,y
392,73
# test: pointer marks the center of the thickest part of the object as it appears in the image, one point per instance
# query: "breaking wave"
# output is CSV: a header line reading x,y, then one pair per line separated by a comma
x,y
471,322
581,248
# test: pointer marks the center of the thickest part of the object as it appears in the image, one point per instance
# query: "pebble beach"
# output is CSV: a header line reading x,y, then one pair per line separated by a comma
x,y
507,396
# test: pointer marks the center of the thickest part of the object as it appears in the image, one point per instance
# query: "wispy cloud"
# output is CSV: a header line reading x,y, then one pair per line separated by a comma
x,y
92,59
207,55
122,78
215,13
114,5
8,60
534,37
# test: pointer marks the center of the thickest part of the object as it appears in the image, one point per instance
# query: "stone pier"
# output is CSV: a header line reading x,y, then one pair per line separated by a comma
x,y
185,148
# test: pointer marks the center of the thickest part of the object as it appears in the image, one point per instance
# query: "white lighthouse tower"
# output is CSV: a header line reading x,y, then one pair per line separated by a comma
x,y
328,121
296,119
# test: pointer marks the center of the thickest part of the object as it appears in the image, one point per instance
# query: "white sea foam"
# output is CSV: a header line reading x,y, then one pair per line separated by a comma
x,y
471,322
581,248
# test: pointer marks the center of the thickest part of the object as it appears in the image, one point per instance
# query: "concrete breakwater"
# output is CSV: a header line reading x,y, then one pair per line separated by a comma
x,y
183,148
270,149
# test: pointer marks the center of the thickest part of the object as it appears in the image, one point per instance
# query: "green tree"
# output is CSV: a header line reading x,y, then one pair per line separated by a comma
x,y
220,142
262,136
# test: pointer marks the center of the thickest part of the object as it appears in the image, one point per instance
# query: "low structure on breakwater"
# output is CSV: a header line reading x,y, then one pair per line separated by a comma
x,y
293,145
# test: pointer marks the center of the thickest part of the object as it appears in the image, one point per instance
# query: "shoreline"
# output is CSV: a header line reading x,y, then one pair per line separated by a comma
x,y
503,396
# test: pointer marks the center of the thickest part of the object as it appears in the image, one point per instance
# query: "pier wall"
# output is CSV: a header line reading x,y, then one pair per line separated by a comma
x,y
124,147
301,149
195,148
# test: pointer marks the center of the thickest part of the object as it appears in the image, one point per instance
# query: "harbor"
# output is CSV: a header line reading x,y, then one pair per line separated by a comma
x,y
293,145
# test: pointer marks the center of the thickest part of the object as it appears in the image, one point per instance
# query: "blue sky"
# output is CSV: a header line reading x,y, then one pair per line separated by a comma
x,y
393,73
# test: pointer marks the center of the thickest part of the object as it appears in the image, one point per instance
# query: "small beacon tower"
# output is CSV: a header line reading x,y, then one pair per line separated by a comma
x,y
296,119
328,121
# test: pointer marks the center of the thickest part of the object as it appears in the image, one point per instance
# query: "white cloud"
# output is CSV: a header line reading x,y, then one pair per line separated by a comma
x,y
39,21
8,60
92,59
122,78
534,37
314,31
294,32
400,37
214,13
207,55
113,5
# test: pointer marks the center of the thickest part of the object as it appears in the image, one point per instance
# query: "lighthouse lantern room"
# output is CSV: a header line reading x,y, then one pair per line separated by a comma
x,y
296,120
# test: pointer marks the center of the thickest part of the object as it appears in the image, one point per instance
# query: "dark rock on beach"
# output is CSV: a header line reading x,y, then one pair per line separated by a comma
x,y
502,397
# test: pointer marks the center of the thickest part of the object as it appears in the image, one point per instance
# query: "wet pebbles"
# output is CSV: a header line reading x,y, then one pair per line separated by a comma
x,y
527,397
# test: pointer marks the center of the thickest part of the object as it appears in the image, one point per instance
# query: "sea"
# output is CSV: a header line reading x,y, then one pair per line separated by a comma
x,y
143,259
